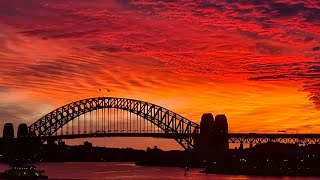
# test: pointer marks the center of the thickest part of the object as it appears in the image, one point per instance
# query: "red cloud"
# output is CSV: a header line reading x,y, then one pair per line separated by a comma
x,y
132,45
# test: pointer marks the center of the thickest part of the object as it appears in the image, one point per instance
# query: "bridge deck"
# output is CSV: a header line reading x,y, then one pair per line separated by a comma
x,y
179,135
93,135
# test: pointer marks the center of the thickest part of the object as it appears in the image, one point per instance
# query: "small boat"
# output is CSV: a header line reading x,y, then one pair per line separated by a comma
x,y
23,172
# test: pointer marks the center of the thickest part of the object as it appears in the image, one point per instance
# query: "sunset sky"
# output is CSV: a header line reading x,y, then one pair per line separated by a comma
x,y
256,61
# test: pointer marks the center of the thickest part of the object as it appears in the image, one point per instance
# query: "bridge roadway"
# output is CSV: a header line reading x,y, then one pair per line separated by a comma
x,y
240,138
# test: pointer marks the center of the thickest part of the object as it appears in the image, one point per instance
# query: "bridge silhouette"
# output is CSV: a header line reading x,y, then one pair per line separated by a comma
x,y
122,117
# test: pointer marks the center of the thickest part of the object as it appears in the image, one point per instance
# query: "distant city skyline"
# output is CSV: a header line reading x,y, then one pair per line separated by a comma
x,y
255,61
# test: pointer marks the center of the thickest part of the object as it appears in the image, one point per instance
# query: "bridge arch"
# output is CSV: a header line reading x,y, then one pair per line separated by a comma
x,y
168,121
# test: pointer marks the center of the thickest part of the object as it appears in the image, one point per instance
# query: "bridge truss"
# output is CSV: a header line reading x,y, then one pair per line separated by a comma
x,y
101,115
260,138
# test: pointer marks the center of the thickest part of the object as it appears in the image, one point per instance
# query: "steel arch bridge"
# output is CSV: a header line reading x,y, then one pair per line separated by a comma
x,y
170,124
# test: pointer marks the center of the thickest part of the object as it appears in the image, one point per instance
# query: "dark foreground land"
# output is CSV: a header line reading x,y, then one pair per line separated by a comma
x,y
265,159
271,159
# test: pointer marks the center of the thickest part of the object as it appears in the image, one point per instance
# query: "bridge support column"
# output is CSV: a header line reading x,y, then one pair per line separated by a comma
x,y
241,146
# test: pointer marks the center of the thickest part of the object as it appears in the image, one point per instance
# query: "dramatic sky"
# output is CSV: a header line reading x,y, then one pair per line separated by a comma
x,y
256,61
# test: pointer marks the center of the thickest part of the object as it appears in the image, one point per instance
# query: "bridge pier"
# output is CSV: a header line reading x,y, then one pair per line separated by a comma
x,y
213,133
22,146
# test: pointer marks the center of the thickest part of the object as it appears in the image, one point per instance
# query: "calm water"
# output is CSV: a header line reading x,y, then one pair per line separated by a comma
x,y
130,171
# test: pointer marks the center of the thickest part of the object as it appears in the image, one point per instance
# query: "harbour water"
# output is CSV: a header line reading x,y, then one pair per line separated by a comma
x,y
115,170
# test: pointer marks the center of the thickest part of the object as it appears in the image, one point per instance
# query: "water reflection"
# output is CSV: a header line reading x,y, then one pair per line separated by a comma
x,y
112,170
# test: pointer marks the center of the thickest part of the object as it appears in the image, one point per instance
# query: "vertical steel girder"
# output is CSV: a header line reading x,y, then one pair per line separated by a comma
x,y
163,118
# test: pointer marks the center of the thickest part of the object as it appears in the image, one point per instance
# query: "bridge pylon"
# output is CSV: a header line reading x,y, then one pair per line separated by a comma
x,y
213,133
